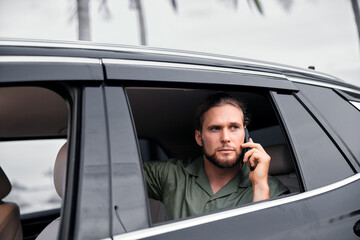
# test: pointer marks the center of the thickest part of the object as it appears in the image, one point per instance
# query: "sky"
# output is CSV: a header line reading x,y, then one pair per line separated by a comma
x,y
318,33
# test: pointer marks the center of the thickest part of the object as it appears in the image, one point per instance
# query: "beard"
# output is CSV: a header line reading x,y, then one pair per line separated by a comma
x,y
223,164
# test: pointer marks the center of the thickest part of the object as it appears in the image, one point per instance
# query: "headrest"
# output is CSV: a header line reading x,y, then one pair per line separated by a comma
x,y
60,170
281,162
5,185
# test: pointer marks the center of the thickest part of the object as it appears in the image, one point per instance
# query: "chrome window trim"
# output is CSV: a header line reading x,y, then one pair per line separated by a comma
x,y
188,66
47,59
140,49
356,104
322,84
182,224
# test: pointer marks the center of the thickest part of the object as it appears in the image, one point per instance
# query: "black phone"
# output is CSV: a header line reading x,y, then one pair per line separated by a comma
x,y
247,149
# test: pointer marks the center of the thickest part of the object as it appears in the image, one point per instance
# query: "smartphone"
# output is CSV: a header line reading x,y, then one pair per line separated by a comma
x,y
247,149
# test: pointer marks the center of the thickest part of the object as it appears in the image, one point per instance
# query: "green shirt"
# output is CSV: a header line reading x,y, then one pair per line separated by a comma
x,y
185,190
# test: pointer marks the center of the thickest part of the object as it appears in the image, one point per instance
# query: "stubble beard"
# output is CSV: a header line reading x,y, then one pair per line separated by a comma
x,y
223,164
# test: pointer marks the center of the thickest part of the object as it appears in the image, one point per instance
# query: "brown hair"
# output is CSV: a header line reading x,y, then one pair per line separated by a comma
x,y
218,99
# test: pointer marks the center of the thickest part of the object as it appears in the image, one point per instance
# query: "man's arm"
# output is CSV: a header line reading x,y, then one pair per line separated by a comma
x,y
257,156
154,174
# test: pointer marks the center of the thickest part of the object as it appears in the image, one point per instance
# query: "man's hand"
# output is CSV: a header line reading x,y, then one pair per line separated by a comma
x,y
257,156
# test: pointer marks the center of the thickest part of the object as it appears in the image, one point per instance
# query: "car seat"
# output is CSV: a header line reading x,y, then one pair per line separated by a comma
x,y
150,151
51,230
10,226
282,166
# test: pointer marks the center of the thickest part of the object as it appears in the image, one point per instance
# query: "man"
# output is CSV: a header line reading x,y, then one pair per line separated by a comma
x,y
221,177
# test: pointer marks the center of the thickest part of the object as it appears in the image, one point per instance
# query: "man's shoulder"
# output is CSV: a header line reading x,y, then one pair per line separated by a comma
x,y
171,164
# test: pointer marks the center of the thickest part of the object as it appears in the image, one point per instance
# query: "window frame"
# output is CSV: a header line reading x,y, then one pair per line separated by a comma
x,y
334,137
168,229
31,221
313,113
200,87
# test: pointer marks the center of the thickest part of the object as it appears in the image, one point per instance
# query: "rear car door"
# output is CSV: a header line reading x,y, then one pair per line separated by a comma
x,y
327,174
35,68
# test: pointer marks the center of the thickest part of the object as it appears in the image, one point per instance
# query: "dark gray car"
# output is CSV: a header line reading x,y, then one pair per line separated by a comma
x,y
119,106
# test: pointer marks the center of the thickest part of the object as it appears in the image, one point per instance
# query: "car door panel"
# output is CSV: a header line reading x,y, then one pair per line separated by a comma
x,y
129,204
315,151
93,205
339,115
323,213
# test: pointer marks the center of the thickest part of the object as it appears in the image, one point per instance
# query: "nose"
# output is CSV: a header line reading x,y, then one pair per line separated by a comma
x,y
225,137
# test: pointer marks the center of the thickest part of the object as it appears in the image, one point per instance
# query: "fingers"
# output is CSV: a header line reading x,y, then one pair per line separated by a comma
x,y
252,160
250,156
256,153
252,145
258,161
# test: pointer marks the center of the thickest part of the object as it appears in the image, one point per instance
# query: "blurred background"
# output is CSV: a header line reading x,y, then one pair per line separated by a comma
x,y
302,33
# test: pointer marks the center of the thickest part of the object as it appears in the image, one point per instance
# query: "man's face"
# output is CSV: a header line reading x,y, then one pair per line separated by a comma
x,y
222,135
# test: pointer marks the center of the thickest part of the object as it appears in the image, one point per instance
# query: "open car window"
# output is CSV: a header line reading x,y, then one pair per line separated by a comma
x,y
164,124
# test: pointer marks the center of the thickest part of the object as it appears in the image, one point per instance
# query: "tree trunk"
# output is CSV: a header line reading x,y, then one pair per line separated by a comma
x,y
83,20
141,22
355,7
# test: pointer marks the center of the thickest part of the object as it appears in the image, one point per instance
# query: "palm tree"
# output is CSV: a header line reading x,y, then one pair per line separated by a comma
x,y
355,7
142,28
256,2
83,20
83,16
81,12
136,4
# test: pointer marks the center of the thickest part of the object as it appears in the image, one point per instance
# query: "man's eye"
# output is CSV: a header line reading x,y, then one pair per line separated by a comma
x,y
234,127
215,128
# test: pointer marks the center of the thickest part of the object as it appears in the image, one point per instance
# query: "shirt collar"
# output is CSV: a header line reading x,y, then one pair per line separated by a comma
x,y
196,168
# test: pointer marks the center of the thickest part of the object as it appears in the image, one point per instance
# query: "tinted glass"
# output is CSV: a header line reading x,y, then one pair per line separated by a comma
x,y
343,117
320,161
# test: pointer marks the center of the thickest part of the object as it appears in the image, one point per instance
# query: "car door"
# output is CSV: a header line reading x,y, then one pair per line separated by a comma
x,y
327,169
325,207
65,78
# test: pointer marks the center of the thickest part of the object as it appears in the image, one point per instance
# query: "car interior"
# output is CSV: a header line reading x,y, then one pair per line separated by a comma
x,y
10,226
29,114
163,119
51,230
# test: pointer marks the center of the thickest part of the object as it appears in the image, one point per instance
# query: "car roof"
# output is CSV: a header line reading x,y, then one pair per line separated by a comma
x,y
49,119
83,49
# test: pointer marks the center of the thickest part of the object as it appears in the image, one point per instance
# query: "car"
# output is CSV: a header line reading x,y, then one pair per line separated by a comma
x,y
116,107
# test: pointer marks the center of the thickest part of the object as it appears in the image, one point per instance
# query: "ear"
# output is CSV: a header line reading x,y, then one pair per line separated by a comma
x,y
198,138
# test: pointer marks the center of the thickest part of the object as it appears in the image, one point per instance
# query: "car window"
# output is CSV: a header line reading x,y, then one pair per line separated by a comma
x,y
320,161
339,113
33,127
29,166
163,119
